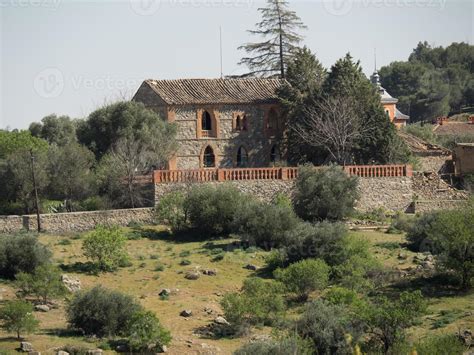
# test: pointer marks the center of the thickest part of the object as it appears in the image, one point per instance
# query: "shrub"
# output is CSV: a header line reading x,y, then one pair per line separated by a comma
x,y
101,312
321,241
327,193
144,329
288,345
304,277
105,246
259,302
439,345
389,318
421,130
264,225
211,210
402,222
327,326
171,210
17,316
341,296
419,234
453,239
21,253
44,283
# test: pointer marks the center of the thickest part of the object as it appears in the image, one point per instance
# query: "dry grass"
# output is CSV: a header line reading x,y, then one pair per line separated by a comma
x,y
142,281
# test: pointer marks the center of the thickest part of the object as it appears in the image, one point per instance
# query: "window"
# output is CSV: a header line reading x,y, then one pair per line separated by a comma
x,y
272,121
244,123
274,154
238,123
242,158
206,121
209,159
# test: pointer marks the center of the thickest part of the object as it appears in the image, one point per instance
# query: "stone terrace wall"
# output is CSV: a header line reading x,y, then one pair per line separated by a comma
x,y
391,193
75,221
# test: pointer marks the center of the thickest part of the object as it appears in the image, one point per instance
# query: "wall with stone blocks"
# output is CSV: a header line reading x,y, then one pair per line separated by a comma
x,y
75,221
391,193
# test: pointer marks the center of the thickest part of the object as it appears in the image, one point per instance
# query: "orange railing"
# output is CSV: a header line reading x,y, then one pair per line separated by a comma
x,y
205,175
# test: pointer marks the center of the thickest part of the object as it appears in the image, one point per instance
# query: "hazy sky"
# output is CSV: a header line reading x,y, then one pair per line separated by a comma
x,y
69,57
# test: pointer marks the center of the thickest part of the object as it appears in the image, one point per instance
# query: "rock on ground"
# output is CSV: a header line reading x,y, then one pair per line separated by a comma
x,y
72,284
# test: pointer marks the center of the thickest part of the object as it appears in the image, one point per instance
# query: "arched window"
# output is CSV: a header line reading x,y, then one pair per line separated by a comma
x,y
272,122
274,154
242,158
238,123
206,121
244,123
209,159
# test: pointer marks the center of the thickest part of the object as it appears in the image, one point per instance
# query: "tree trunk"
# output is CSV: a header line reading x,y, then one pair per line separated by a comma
x,y
282,65
38,218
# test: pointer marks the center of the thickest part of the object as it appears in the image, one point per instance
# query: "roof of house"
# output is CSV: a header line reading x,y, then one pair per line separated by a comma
x,y
385,97
400,116
215,91
455,128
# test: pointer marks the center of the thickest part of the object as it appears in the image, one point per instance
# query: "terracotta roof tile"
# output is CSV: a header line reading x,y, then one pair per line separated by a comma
x,y
216,91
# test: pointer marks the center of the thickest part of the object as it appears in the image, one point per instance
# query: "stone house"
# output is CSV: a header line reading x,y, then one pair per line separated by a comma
x,y
463,156
222,123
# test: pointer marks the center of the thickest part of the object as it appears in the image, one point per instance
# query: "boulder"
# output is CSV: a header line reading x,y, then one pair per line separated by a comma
x,y
251,267
186,313
466,337
94,352
221,320
26,347
209,272
72,284
402,256
42,308
62,352
192,275
165,292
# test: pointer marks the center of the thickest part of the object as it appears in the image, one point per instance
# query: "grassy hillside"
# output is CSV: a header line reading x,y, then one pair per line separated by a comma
x,y
448,310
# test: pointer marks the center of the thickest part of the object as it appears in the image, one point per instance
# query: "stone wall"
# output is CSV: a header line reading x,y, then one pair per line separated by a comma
x,y
391,193
75,221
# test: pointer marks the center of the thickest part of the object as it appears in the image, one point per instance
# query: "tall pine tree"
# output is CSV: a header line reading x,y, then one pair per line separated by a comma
x,y
278,29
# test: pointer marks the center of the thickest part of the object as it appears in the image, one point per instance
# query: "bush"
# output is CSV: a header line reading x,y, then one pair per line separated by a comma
x,y
101,312
21,253
402,222
327,193
420,130
327,325
211,210
144,329
419,234
17,316
264,225
260,302
321,241
453,240
171,210
106,247
288,345
304,277
44,283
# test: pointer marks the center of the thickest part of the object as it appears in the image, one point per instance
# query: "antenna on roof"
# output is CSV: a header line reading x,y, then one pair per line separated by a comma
x,y
220,45
375,59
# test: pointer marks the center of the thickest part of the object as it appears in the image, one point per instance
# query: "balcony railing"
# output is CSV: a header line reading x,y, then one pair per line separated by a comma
x,y
245,174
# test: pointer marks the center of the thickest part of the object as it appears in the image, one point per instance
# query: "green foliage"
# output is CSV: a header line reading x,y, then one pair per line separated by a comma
x,y
453,238
21,253
211,210
421,130
327,325
441,344
44,283
433,82
264,225
12,142
171,210
321,241
101,312
447,317
144,329
277,30
387,318
342,296
327,193
420,234
56,130
105,246
70,172
260,302
402,222
287,345
304,277
17,317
